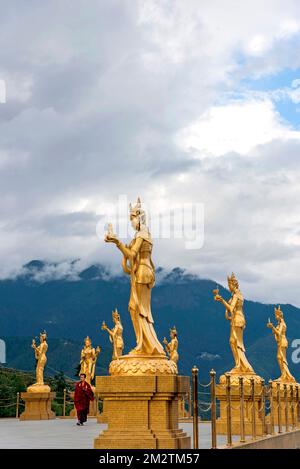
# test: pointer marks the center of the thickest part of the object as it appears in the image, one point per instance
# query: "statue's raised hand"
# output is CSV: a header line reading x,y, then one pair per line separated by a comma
x,y
111,239
218,298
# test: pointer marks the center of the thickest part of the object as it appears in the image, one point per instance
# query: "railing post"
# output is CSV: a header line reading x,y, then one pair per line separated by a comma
x,y
279,408
292,406
271,400
195,406
253,409
17,405
64,404
242,410
286,408
213,409
228,409
263,407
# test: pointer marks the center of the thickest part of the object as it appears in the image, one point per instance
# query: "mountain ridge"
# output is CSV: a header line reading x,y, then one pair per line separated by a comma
x,y
73,307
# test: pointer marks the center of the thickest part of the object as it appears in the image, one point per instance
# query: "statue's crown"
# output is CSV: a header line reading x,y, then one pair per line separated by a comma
x,y
43,332
278,310
173,329
115,314
87,338
137,208
233,280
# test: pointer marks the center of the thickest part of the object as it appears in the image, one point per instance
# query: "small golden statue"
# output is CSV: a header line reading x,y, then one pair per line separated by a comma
x,y
148,357
172,346
88,359
234,313
115,335
279,332
41,360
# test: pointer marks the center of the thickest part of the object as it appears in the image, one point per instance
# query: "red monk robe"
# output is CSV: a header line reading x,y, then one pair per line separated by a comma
x,y
82,397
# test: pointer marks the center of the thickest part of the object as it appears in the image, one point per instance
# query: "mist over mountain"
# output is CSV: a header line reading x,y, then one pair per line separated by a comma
x,y
72,304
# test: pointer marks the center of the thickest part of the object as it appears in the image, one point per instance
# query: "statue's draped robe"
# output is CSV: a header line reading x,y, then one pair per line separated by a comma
x,y
282,345
41,362
117,340
237,326
142,281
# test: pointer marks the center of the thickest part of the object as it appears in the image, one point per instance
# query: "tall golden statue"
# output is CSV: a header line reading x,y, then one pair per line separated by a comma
x,y
115,335
279,332
172,346
41,360
138,264
88,359
234,313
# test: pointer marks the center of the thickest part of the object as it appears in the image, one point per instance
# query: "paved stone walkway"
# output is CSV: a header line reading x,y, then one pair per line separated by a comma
x,y
63,433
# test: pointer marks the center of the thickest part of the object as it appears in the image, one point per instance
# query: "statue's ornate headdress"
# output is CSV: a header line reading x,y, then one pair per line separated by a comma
x,y
278,311
233,280
87,338
44,333
173,329
136,211
115,314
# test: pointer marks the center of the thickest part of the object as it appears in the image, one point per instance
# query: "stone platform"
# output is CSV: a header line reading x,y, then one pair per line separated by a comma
x,y
142,412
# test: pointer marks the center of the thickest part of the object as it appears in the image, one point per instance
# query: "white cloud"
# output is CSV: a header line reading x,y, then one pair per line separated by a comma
x,y
97,98
237,126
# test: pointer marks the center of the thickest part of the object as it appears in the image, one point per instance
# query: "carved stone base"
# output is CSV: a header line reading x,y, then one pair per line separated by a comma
x,y
131,365
142,412
235,409
291,406
39,388
234,378
37,405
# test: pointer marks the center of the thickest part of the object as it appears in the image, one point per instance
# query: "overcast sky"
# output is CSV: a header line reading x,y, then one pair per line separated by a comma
x,y
173,101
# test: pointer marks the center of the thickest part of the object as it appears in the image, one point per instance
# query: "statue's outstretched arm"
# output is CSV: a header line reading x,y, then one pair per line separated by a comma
x,y
130,253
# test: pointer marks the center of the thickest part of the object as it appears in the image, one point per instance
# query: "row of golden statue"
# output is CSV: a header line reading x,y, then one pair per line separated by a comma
x,y
151,401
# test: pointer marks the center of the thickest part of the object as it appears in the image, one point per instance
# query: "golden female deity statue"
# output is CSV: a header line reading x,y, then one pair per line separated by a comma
x,y
115,335
41,360
234,313
279,332
137,263
88,359
172,346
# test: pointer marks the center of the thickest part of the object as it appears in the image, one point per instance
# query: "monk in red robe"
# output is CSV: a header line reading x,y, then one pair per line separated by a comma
x,y
82,397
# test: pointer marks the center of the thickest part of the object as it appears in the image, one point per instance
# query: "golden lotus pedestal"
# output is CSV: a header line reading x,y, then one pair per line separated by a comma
x,y
37,405
142,409
236,407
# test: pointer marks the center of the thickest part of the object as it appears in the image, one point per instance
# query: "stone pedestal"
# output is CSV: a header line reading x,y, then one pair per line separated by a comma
x,y
142,412
235,409
283,405
37,405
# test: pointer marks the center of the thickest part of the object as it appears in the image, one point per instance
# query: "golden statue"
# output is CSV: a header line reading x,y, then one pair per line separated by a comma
x,y
115,335
279,332
234,313
138,264
172,346
41,360
88,359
